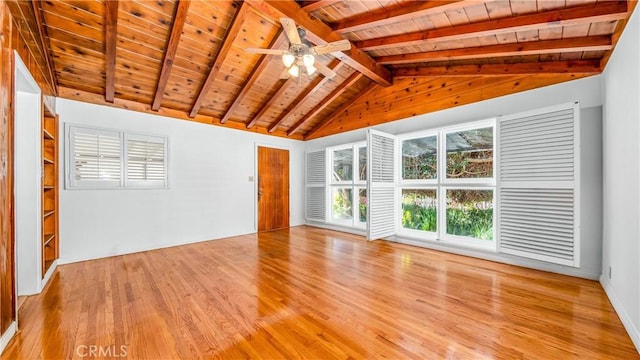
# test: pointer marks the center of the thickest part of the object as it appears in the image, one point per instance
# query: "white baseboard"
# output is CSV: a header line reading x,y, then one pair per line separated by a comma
x,y
7,336
47,275
622,313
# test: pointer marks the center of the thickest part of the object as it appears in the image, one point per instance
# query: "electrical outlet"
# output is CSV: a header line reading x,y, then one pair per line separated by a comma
x,y
609,272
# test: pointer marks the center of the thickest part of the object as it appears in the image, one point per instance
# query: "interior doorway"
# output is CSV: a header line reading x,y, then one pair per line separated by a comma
x,y
273,188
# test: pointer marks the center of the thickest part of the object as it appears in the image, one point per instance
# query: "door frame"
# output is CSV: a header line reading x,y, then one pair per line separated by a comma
x,y
255,178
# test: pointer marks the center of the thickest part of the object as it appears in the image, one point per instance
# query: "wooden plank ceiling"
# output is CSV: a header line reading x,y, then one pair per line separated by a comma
x,y
186,59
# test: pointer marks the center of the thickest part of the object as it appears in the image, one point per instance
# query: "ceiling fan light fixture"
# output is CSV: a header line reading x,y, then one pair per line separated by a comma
x,y
294,71
308,60
311,70
288,59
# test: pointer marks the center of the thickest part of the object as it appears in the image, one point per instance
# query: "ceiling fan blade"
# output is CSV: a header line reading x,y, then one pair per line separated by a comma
x,y
325,70
342,45
264,51
291,30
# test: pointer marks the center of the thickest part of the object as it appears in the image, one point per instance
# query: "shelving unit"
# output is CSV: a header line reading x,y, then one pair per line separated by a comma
x,y
49,189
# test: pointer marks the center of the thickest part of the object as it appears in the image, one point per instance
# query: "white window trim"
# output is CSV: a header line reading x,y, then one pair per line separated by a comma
x,y
466,241
72,184
441,184
415,234
355,184
412,136
442,155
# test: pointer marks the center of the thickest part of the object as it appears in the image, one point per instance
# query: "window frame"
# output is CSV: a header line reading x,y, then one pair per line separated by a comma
x,y
72,184
466,241
400,167
355,184
444,180
415,233
441,184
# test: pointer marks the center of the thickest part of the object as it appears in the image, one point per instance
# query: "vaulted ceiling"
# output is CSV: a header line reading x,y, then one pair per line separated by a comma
x,y
186,59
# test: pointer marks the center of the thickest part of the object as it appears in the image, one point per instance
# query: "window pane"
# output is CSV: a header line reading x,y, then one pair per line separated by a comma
x,y
362,196
420,158
342,165
342,204
470,213
362,162
419,209
470,154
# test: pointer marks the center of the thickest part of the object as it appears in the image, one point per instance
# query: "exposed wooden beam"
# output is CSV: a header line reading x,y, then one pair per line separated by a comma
x,y
182,8
320,33
398,13
338,112
591,43
315,5
282,86
530,68
350,81
88,97
232,32
111,41
44,43
602,11
277,42
314,86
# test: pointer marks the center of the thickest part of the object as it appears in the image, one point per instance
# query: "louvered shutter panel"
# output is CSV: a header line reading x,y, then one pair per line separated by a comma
x,y
95,157
538,185
381,185
315,179
146,160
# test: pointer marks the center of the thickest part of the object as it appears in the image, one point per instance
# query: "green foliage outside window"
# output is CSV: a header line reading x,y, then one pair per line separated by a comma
x,y
342,204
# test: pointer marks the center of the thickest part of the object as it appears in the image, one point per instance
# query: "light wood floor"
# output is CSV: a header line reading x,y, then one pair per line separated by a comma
x,y
315,294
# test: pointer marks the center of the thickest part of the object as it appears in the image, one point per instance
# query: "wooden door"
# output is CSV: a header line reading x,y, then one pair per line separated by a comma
x,y
273,188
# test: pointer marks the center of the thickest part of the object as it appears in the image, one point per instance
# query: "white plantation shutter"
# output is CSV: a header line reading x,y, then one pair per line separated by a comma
x,y
381,185
146,160
315,179
538,185
95,157
112,159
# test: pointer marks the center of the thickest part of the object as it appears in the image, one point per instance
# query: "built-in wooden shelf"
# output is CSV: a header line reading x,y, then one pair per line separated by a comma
x,y
47,135
47,265
48,238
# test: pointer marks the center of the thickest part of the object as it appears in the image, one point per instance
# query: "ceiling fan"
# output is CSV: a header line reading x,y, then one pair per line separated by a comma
x,y
301,54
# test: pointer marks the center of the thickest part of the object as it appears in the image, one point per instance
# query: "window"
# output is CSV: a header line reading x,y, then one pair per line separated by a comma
x,y
470,154
343,165
457,206
95,159
145,161
420,209
470,213
420,158
348,185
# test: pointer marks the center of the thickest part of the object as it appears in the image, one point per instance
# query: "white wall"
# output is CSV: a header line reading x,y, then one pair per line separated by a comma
x,y
27,192
587,91
210,195
621,192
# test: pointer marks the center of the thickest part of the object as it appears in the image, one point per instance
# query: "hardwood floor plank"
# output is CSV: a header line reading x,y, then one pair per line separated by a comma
x,y
311,293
